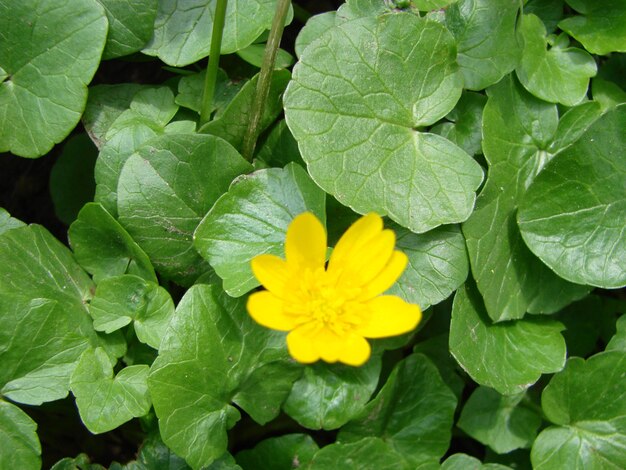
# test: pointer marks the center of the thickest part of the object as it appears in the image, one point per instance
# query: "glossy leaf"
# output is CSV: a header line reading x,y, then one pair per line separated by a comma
x,y
213,353
150,111
600,27
437,265
279,453
508,356
484,62
511,280
370,453
125,299
586,404
314,28
618,341
572,216
558,75
327,396
252,219
163,194
19,444
498,421
50,51
131,23
104,248
105,402
190,91
182,35
357,97
466,462
7,222
413,412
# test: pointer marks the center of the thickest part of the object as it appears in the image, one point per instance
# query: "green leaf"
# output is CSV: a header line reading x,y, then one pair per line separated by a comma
x,y
508,356
232,124
7,222
213,353
464,123
104,401
19,444
104,248
428,5
370,453
154,455
279,453
252,219
150,111
190,88
81,462
601,27
498,421
436,349
182,34
357,98
327,396
618,341
466,462
253,54
314,28
573,124
487,43
163,194
51,50
558,75
608,94
511,280
586,404
124,299
437,265
71,180
550,11
572,215
104,105
131,24
413,412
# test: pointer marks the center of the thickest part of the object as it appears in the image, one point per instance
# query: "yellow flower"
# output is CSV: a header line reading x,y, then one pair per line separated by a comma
x,y
330,310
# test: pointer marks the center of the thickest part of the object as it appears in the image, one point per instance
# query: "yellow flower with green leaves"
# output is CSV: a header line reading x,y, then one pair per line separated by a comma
x,y
329,310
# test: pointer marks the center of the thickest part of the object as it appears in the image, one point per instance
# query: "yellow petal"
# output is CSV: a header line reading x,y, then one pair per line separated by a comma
x,y
271,271
355,238
389,316
300,345
387,276
305,243
328,344
356,351
267,310
368,260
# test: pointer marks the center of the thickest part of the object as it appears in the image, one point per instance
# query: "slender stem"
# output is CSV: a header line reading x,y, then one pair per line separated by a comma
x,y
265,78
214,61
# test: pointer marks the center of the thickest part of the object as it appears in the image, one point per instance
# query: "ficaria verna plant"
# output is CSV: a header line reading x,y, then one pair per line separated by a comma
x,y
314,234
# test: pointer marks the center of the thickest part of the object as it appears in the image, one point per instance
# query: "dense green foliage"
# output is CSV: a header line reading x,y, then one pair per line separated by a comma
x,y
490,133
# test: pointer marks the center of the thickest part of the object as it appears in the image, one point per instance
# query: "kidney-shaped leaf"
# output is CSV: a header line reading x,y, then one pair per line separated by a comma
x,y
587,404
106,402
131,23
355,103
213,353
165,189
508,356
572,216
19,445
50,51
413,412
252,219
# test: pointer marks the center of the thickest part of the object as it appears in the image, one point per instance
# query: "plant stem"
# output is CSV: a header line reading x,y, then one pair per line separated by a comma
x,y
265,78
214,61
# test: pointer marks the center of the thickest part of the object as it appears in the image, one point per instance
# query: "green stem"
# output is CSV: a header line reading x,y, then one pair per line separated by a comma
x,y
214,61
265,78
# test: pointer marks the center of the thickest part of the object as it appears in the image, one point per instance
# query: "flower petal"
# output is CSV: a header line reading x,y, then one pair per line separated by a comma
x,y
387,276
300,345
356,350
305,243
266,309
271,271
389,316
328,344
357,236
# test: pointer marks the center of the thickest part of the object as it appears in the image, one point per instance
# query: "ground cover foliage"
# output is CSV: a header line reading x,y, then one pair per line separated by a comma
x,y
490,133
